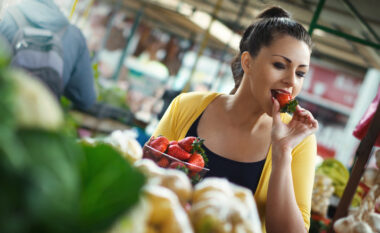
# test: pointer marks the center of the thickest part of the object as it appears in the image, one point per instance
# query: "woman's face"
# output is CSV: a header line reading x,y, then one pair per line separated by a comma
x,y
280,67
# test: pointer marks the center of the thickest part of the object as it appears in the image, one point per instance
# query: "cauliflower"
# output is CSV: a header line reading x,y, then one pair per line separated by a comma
x,y
172,179
159,211
220,207
35,106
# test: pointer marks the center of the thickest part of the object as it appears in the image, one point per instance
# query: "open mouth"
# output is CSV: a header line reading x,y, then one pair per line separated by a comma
x,y
274,92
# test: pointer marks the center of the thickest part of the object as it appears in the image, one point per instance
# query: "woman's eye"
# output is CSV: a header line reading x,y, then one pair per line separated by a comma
x,y
279,65
300,74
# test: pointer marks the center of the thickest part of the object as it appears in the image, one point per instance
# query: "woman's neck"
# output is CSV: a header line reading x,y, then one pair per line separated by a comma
x,y
245,112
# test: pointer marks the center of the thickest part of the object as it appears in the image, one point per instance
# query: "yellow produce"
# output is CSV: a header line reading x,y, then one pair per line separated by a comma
x,y
337,172
159,211
222,207
173,179
339,175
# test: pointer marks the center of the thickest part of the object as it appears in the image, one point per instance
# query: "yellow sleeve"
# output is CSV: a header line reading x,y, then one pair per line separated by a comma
x,y
167,124
303,169
182,112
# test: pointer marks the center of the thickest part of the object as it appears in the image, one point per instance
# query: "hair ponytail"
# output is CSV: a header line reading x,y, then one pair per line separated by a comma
x,y
274,12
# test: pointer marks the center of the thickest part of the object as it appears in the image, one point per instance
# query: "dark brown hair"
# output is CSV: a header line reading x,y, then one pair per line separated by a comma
x,y
272,23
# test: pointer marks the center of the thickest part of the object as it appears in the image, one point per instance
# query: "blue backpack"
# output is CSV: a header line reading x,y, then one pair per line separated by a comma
x,y
39,52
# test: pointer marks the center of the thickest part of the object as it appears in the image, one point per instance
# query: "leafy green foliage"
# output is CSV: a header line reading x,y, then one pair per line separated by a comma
x,y
317,226
113,95
63,187
5,53
110,186
42,194
48,183
290,107
109,93
197,147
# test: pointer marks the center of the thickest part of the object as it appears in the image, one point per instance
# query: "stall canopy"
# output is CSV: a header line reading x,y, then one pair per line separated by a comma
x,y
346,31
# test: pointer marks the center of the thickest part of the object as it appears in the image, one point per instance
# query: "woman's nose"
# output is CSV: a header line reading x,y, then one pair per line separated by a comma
x,y
290,78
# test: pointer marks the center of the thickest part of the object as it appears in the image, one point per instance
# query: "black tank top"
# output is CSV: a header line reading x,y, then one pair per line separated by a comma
x,y
241,173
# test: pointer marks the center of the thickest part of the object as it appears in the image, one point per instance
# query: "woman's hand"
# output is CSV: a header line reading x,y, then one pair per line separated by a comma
x,y
286,136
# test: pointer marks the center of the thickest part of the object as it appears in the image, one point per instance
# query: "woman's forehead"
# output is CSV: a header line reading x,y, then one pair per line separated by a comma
x,y
289,47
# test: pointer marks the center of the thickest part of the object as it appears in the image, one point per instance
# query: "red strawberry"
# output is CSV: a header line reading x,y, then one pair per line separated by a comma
x,y
283,98
187,143
160,144
177,165
287,103
173,143
197,160
177,152
163,162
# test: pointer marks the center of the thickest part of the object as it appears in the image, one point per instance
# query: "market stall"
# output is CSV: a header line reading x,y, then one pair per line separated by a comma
x,y
65,169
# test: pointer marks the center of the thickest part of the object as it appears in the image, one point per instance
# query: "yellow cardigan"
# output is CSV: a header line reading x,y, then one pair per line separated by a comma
x,y
186,108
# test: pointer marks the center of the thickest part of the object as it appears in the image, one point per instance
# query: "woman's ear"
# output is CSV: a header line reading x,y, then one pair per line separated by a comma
x,y
245,61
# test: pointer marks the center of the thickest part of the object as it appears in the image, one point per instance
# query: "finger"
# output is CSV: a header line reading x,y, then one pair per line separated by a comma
x,y
315,124
276,111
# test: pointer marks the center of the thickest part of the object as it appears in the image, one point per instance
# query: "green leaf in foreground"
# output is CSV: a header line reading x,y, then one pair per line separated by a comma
x,y
110,187
42,194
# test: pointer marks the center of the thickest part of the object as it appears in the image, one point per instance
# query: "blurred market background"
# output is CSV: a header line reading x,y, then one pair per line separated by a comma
x,y
152,50
145,52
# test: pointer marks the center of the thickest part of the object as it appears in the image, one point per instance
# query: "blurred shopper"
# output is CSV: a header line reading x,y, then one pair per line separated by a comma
x,y
247,139
77,82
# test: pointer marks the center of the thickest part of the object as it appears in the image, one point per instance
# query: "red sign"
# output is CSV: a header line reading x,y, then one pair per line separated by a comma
x,y
332,85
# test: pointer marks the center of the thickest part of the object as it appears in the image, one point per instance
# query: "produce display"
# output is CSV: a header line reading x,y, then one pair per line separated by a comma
x,y
109,92
170,204
221,207
322,192
186,155
123,141
158,211
287,102
366,219
172,179
49,182
52,182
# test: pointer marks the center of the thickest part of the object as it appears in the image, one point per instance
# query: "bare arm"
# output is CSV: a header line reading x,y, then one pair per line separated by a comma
x,y
282,212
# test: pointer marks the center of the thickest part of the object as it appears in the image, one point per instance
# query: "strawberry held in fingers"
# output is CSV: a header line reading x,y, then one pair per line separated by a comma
x,y
177,152
159,144
287,103
197,160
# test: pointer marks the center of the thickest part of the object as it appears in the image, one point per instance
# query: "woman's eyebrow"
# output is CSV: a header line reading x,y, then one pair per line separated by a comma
x,y
288,60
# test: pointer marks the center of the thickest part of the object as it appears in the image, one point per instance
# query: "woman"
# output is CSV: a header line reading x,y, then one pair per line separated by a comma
x,y
247,139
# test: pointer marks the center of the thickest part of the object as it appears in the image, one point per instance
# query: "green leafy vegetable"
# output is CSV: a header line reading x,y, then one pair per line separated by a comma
x,y
110,186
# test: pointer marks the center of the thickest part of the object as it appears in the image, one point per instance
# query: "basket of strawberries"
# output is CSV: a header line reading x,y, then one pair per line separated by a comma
x,y
186,155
